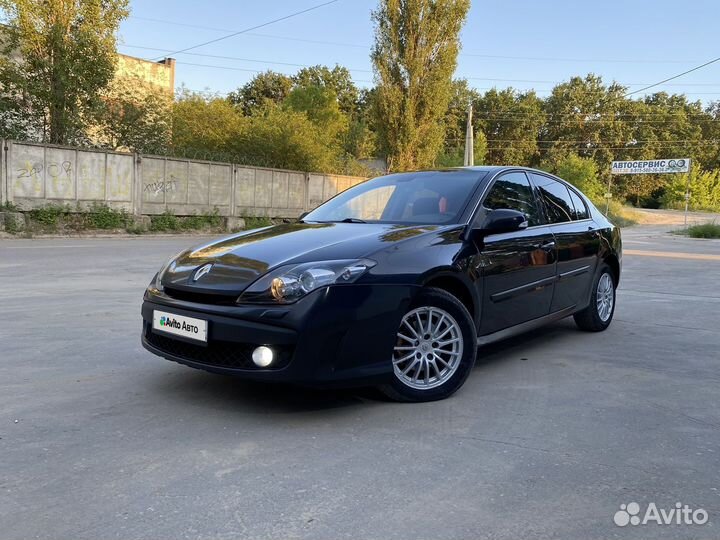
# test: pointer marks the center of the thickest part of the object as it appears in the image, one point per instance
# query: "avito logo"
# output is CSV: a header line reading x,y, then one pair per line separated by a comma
x,y
169,322
629,514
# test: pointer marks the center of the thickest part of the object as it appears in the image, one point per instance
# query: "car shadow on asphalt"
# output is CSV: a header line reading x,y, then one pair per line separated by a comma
x,y
225,391
186,385
516,347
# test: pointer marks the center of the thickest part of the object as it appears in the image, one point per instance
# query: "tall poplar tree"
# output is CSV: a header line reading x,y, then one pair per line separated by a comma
x,y
414,56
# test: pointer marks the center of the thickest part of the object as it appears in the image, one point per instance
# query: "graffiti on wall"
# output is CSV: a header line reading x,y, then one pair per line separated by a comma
x,y
161,186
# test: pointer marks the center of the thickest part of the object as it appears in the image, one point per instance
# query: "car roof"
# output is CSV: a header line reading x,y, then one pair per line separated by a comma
x,y
478,168
489,170
498,168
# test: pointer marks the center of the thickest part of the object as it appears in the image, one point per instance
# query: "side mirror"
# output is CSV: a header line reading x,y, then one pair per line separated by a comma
x,y
504,220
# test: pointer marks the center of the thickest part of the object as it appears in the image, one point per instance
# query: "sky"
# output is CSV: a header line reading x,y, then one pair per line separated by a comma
x,y
526,44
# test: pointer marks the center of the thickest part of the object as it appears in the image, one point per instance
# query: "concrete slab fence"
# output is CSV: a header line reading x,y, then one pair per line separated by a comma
x,y
34,175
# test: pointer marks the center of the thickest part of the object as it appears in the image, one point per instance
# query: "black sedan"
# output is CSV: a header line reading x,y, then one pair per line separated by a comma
x,y
394,282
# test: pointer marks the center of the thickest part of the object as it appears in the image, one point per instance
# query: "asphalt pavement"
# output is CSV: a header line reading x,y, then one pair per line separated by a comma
x,y
552,432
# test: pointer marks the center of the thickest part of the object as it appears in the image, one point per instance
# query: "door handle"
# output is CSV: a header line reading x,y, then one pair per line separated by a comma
x,y
547,246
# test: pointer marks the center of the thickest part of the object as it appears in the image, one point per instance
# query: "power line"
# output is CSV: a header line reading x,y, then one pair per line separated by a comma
x,y
639,141
594,146
674,77
560,59
221,57
250,29
581,116
473,55
256,34
232,68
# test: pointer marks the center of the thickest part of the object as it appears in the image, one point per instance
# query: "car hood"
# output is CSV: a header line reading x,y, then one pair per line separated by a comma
x,y
239,260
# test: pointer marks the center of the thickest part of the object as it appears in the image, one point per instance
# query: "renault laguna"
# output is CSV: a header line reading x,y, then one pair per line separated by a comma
x,y
392,283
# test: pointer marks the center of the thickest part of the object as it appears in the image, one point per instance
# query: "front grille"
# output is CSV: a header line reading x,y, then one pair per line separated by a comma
x,y
217,353
202,298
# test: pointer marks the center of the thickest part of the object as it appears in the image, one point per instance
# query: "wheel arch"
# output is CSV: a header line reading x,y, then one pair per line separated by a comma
x,y
612,261
454,284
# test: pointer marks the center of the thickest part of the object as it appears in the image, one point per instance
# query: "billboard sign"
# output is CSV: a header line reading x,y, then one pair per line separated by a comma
x,y
652,166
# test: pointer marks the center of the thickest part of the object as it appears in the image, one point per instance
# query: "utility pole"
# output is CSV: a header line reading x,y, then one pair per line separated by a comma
x,y
687,195
469,143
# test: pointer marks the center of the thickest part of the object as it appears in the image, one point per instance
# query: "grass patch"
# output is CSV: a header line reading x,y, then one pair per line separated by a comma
x,y
135,228
48,217
619,214
169,222
55,217
253,222
705,230
211,220
101,216
7,206
11,225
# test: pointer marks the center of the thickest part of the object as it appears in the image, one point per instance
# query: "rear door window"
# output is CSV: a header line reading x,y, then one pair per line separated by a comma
x,y
581,210
556,197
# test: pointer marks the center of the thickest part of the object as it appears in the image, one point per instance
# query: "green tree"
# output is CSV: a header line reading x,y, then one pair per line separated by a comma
x,y
704,190
320,104
414,56
337,79
59,57
135,116
453,150
286,139
710,125
264,88
512,122
454,155
580,172
361,139
586,117
204,125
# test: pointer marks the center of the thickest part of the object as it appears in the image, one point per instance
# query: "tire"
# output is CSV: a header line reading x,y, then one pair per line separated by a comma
x,y
599,313
443,352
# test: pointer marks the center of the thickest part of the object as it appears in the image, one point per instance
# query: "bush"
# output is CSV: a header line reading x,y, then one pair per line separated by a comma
x,y
618,213
706,230
101,216
7,206
48,216
252,222
704,191
167,221
581,173
203,221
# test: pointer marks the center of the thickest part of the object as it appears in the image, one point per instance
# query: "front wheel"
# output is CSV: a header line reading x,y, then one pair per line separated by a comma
x,y
435,349
598,315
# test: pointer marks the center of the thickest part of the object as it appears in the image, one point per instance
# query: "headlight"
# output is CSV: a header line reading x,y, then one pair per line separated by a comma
x,y
158,278
288,284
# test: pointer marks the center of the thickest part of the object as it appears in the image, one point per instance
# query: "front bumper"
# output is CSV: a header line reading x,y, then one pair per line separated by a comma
x,y
340,334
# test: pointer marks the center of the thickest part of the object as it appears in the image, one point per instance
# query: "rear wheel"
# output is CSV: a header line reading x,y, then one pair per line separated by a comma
x,y
599,313
435,349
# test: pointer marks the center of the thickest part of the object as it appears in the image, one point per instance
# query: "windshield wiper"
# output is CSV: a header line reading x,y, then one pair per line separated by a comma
x,y
352,220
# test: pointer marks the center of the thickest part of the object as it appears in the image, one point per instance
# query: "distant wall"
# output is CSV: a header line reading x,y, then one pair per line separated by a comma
x,y
160,75
33,175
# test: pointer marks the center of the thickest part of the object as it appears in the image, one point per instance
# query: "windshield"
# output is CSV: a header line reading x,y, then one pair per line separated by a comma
x,y
429,197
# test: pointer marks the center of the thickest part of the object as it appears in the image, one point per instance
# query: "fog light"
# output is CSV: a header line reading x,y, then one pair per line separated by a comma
x,y
262,356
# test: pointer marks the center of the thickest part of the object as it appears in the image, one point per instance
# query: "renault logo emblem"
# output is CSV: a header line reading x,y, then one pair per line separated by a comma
x,y
200,272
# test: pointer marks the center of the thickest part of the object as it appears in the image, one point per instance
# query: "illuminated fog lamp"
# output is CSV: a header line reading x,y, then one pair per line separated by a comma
x,y
262,356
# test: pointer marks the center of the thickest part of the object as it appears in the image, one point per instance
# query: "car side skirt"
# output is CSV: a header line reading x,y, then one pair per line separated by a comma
x,y
526,326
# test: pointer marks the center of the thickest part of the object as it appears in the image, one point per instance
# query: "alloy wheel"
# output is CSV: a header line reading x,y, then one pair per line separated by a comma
x,y
605,297
428,348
